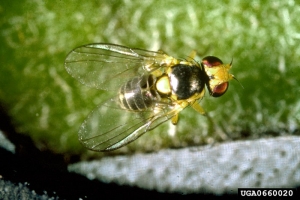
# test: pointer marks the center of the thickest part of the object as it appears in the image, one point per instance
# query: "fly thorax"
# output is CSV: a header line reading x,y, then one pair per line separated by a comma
x,y
186,81
163,85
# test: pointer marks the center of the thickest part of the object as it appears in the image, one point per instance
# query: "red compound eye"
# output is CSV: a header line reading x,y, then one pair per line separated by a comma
x,y
219,90
211,61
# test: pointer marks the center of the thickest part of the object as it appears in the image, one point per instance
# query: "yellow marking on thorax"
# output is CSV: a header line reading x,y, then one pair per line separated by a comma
x,y
163,85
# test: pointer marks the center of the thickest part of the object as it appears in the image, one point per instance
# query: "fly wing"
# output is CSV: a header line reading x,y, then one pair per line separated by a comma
x,y
109,66
109,127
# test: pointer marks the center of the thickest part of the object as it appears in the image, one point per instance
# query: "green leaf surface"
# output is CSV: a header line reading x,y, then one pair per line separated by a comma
x,y
262,38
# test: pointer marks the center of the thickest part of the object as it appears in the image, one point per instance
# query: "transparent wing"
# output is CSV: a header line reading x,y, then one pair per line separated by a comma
x,y
108,66
109,127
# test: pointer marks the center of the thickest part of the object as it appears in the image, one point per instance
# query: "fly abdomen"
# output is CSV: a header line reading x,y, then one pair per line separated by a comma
x,y
138,94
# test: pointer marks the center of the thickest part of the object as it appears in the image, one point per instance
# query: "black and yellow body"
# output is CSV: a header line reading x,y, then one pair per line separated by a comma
x,y
181,84
150,88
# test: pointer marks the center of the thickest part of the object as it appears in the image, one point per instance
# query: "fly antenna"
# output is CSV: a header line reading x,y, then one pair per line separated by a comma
x,y
238,81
